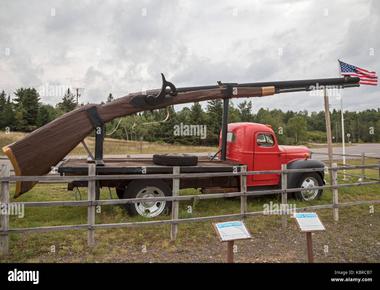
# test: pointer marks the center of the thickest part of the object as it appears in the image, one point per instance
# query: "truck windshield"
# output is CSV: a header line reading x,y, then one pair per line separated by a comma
x,y
265,140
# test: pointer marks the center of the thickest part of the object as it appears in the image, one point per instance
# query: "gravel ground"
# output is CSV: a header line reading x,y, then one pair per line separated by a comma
x,y
355,238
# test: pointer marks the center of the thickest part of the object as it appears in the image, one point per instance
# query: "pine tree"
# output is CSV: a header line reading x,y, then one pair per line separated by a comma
x,y
197,115
245,111
215,114
68,102
3,103
45,115
9,114
27,105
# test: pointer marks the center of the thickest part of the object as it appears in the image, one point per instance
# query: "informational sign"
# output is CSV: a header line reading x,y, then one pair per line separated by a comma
x,y
309,222
233,230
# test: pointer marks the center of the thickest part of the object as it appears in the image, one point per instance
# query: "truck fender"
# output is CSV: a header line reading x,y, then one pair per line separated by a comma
x,y
302,164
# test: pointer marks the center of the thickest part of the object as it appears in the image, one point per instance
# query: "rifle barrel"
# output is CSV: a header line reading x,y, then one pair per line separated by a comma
x,y
288,86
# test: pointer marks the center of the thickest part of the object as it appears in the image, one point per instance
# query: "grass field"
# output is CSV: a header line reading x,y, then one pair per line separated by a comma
x,y
355,238
116,146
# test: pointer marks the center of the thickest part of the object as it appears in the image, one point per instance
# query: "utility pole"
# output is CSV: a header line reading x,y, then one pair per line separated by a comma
x,y
78,94
328,127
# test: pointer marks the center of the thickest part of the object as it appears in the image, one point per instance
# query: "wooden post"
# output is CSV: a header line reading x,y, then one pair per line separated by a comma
x,y
243,189
334,179
91,208
328,127
175,205
4,219
363,163
309,246
284,196
230,251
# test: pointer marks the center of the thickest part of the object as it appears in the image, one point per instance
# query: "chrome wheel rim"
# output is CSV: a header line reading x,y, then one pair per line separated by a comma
x,y
150,209
308,183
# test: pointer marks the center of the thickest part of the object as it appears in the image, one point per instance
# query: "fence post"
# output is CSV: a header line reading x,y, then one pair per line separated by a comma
x,y
243,189
175,205
334,179
284,196
363,164
4,219
91,208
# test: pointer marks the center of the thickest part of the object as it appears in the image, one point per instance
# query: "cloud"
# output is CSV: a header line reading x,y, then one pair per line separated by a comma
x,y
123,46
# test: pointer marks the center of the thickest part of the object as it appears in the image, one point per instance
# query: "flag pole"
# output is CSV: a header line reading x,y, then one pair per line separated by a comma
x,y
343,133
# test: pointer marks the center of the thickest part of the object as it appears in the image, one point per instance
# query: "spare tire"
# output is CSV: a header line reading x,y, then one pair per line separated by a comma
x,y
175,159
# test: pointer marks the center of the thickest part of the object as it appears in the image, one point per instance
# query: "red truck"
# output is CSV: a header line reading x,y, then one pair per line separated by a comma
x,y
251,144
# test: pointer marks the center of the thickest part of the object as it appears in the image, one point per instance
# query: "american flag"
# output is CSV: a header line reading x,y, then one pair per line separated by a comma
x,y
366,77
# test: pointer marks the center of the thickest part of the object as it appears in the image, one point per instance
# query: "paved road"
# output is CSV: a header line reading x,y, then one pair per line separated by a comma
x,y
372,149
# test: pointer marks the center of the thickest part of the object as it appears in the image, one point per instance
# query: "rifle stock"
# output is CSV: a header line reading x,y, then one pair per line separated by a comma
x,y
45,147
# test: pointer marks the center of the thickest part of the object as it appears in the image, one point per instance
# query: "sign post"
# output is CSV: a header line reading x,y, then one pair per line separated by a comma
x,y
229,232
230,251
308,223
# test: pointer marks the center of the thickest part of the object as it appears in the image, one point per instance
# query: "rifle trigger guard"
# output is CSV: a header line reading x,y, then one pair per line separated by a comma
x,y
154,100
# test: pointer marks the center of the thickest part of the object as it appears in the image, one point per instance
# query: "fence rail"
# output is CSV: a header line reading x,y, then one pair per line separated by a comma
x,y
64,179
176,176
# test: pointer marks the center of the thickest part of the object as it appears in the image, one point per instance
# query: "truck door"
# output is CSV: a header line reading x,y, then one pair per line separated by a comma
x,y
266,157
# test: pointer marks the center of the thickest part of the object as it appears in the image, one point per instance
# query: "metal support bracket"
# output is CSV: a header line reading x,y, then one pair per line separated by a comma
x,y
224,129
98,123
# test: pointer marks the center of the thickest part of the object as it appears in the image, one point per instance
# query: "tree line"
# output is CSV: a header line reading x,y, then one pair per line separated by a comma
x,y
25,112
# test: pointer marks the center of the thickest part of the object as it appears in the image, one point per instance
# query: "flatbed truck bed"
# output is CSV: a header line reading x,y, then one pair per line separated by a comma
x,y
133,165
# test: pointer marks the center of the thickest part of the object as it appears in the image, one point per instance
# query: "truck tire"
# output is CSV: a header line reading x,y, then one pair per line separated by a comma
x,y
308,180
147,188
175,159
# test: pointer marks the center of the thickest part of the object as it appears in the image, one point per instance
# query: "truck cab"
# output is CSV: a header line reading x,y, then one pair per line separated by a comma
x,y
255,145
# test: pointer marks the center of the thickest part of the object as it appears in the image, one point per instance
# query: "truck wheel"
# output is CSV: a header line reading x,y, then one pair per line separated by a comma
x,y
175,159
307,181
147,188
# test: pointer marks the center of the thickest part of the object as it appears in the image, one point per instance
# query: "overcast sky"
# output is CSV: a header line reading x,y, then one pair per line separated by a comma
x,y
123,46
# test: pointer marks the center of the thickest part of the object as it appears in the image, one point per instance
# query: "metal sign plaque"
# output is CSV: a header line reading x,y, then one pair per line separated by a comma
x,y
233,230
309,222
